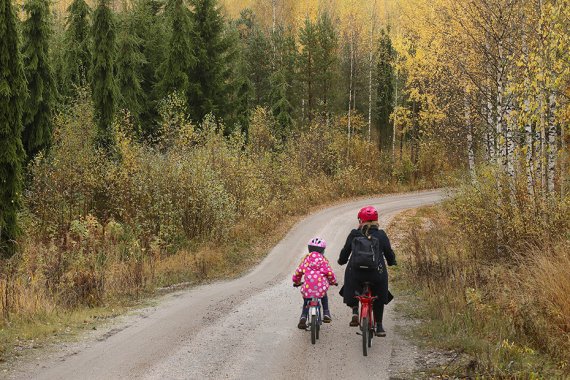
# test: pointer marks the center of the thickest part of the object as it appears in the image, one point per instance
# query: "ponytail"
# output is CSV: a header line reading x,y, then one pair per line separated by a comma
x,y
365,227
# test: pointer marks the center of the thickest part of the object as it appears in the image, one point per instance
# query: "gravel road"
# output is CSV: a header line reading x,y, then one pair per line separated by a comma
x,y
244,328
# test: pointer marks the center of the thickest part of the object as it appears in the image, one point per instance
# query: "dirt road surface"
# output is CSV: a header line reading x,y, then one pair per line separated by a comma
x,y
244,328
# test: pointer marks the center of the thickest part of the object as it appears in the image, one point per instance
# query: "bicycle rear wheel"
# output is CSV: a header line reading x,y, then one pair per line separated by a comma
x,y
313,329
318,327
365,333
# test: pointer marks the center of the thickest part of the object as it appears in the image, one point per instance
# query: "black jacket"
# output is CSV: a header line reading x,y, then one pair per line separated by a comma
x,y
353,278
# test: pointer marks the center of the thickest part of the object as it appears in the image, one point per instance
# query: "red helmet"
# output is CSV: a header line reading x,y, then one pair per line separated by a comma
x,y
367,214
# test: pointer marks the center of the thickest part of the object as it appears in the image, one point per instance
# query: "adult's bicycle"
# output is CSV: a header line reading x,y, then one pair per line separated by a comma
x,y
366,319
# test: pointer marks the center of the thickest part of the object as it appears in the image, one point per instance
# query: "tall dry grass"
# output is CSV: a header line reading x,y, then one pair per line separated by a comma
x,y
493,271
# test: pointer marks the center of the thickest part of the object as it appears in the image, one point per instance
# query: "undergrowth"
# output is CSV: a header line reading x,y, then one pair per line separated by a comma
x,y
190,206
490,271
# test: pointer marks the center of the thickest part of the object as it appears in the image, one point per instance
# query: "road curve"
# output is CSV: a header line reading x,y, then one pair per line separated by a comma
x,y
243,328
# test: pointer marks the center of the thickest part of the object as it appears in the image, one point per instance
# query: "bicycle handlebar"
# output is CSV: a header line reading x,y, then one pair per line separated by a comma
x,y
301,283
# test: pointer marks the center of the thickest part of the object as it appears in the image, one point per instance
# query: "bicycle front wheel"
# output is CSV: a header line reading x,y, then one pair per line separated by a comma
x,y
365,333
313,329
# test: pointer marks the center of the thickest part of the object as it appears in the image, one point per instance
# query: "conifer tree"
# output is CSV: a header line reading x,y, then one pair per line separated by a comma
x,y
308,38
150,28
77,45
325,62
280,105
286,61
385,90
39,105
209,91
103,82
12,96
179,60
257,56
129,67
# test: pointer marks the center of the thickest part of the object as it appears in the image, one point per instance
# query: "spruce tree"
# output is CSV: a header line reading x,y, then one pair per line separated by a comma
x,y
326,63
287,47
280,105
257,56
103,83
12,97
385,90
179,60
209,91
77,45
150,27
308,38
129,69
38,111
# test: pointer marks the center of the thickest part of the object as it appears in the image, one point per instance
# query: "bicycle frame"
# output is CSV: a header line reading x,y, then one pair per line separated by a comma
x,y
366,318
366,299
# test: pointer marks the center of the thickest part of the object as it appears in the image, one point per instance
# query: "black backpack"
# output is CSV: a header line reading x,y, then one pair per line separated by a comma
x,y
365,252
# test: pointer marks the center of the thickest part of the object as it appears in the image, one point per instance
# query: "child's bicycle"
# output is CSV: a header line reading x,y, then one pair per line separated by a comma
x,y
315,317
367,322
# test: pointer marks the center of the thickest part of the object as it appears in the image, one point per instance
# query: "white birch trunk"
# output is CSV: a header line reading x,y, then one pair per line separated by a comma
x,y
470,147
552,146
563,163
529,142
395,126
542,161
528,132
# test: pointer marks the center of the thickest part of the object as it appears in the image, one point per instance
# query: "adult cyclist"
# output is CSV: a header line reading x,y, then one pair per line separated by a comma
x,y
354,277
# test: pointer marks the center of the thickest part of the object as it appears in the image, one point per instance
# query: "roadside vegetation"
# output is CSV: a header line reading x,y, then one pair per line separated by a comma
x,y
191,206
490,282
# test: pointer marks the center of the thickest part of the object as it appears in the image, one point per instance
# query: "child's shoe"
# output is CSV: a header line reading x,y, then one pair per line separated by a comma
x,y
302,323
327,317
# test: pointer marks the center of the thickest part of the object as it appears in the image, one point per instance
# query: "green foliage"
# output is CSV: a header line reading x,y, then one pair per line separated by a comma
x,y
77,47
326,63
12,97
284,81
129,69
179,61
153,32
103,81
280,107
308,38
384,91
38,111
209,90
257,57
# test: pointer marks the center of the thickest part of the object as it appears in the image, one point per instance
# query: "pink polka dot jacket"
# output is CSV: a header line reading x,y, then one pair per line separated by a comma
x,y
318,275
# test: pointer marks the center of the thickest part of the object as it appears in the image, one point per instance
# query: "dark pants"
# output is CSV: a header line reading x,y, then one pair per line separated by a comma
x,y
324,302
377,307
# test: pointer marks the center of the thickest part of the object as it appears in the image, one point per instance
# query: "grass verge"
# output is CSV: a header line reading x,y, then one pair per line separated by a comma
x,y
477,308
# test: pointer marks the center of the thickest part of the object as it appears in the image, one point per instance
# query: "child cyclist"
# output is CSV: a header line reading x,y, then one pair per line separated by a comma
x,y
318,276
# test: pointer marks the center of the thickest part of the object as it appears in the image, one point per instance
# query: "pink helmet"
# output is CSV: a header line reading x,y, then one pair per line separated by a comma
x,y
367,214
317,244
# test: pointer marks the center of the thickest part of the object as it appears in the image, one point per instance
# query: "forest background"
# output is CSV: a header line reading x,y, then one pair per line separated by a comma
x,y
138,135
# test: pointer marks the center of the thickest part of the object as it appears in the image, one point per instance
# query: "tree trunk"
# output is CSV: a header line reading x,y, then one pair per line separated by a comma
x,y
370,56
470,147
350,85
395,120
552,146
